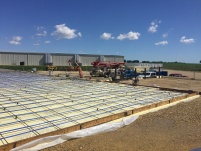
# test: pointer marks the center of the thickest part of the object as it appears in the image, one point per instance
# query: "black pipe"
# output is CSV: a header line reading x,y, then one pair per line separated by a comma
x,y
115,73
145,70
135,73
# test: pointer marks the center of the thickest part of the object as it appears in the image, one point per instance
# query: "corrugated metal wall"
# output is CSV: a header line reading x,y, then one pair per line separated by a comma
x,y
114,58
20,58
62,59
86,60
13,59
6,59
119,59
36,59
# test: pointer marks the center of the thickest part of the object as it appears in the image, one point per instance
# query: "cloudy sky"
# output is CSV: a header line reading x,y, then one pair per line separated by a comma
x,y
152,30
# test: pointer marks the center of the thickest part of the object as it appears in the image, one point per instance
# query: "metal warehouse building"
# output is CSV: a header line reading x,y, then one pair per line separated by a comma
x,y
57,59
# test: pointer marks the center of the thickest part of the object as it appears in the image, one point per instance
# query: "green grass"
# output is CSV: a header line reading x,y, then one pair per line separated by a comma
x,y
182,66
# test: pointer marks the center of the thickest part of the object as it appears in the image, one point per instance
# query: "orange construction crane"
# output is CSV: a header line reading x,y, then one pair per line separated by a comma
x,y
80,70
108,64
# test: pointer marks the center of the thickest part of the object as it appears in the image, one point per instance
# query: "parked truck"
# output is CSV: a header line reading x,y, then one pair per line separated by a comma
x,y
147,75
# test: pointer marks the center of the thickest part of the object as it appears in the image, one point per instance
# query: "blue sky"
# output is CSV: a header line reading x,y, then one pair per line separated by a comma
x,y
151,30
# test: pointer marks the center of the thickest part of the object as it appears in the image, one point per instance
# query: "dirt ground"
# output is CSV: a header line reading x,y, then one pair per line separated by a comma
x,y
177,128
189,74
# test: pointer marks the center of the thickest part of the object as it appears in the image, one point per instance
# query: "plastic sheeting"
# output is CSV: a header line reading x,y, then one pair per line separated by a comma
x,y
57,139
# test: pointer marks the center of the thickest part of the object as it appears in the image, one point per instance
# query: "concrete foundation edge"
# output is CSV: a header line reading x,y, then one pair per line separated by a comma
x,y
10,146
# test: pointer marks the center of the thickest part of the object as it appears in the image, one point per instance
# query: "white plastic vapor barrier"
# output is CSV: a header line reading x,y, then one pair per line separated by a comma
x,y
57,139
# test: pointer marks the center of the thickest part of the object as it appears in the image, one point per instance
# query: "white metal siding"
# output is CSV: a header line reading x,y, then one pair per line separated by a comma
x,y
114,58
62,60
86,60
13,59
119,59
6,59
20,58
36,59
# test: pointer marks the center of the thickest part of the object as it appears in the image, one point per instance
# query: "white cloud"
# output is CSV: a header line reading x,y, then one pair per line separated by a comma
x,y
161,43
36,44
44,33
41,31
106,36
64,32
79,34
47,42
16,40
130,36
165,35
154,26
133,35
121,37
187,41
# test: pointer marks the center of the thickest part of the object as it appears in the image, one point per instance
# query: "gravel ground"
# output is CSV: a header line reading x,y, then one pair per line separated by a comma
x,y
177,128
173,129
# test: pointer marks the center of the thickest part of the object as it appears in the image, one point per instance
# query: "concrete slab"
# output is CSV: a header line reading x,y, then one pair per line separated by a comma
x,y
33,105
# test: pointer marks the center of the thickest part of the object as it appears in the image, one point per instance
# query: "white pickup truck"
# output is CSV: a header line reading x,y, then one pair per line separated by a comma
x,y
148,75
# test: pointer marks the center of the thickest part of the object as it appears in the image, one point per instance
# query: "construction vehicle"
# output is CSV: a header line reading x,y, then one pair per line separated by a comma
x,y
106,68
107,64
97,72
128,74
50,67
77,68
